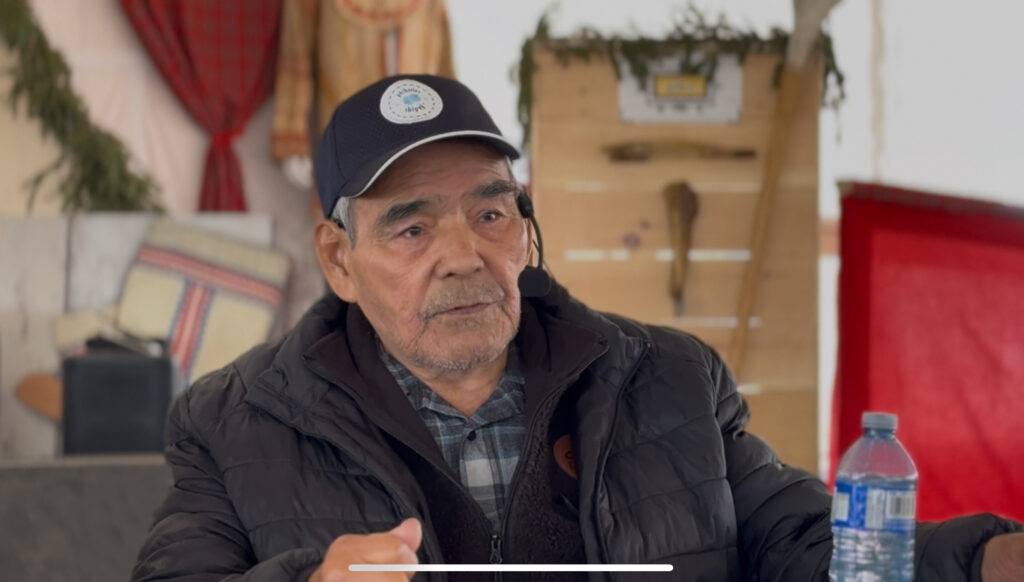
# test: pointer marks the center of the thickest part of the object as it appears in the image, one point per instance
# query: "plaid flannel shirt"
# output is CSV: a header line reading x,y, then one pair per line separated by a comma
x,y
483,450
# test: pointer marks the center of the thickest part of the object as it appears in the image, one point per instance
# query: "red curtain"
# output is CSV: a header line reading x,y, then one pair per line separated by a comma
x,y
931,327
219,58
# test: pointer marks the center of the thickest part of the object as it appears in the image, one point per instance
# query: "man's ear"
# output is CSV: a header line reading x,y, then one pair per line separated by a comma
x,y
529,241
334,251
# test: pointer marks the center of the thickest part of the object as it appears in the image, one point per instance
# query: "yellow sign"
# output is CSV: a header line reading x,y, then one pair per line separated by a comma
x,y
680,86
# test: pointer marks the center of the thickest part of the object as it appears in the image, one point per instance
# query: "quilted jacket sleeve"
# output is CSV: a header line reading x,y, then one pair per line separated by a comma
x,y
783,513
196,536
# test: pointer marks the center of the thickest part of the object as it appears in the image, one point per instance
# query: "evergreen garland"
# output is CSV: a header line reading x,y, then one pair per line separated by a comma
x,y
97,176
700,43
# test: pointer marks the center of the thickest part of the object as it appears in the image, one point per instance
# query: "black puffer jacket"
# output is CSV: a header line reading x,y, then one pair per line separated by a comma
x,y
295,444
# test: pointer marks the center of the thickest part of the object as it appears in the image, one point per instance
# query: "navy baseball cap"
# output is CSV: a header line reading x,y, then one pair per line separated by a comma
x,y
376,126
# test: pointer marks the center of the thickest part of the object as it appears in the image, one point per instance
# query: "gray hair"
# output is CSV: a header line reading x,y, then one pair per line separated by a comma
x,y
342,215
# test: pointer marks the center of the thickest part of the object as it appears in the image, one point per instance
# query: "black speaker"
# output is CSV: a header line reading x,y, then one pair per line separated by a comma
x,y
115,403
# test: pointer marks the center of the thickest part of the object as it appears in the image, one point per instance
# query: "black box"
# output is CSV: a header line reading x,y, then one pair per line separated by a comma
x,y
115,403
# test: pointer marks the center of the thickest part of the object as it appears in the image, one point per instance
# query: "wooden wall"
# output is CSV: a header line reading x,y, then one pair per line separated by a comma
x,y
606,231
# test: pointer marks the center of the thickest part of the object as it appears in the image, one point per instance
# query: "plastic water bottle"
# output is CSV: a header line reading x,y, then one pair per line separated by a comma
x,y
874,507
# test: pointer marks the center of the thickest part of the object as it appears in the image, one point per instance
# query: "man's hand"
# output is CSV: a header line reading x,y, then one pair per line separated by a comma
x,y
397,546
1004,559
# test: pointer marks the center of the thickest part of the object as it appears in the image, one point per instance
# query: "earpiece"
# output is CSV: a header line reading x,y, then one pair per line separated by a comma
x,y
533,281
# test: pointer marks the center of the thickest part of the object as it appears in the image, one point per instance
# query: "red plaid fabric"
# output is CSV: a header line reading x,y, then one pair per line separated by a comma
x,y
212,275
188,326
931,327
219,59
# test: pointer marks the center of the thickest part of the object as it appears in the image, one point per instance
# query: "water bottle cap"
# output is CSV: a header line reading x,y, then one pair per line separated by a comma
x,y
880,420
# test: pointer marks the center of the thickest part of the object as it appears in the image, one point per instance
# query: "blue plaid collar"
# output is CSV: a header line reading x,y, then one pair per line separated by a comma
x,y
507,400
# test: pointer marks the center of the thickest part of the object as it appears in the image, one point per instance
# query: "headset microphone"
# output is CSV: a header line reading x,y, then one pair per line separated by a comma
x,y
533,281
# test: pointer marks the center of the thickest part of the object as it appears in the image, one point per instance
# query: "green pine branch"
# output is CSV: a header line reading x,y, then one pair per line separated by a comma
x,y
699,41
95,164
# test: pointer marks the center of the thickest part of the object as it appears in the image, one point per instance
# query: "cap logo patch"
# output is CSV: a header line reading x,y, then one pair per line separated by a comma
x,y
408,101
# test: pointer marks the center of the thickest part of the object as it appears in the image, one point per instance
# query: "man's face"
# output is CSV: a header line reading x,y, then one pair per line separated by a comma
x,y
439,247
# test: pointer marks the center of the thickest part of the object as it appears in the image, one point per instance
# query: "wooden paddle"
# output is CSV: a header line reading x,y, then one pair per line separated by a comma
x,y
681,205
809,15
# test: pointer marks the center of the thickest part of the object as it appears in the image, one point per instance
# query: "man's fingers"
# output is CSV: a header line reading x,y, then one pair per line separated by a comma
x,y
397,546
411,532
385,548
367,577
1003,560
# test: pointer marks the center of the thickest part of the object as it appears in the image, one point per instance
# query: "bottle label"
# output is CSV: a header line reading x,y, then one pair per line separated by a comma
x,y
889,508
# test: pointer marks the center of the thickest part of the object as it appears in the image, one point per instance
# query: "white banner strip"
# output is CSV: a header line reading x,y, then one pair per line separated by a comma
x,y
586,255
629,187
705,255
687,321
510,568
618,254
754,389
661,255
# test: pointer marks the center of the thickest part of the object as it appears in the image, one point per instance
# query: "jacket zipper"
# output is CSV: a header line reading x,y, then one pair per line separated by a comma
x,y
496,538
496,553
495,548
602,542
502,531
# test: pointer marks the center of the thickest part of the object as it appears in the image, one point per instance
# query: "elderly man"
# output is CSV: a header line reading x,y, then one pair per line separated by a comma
x,y
448,403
